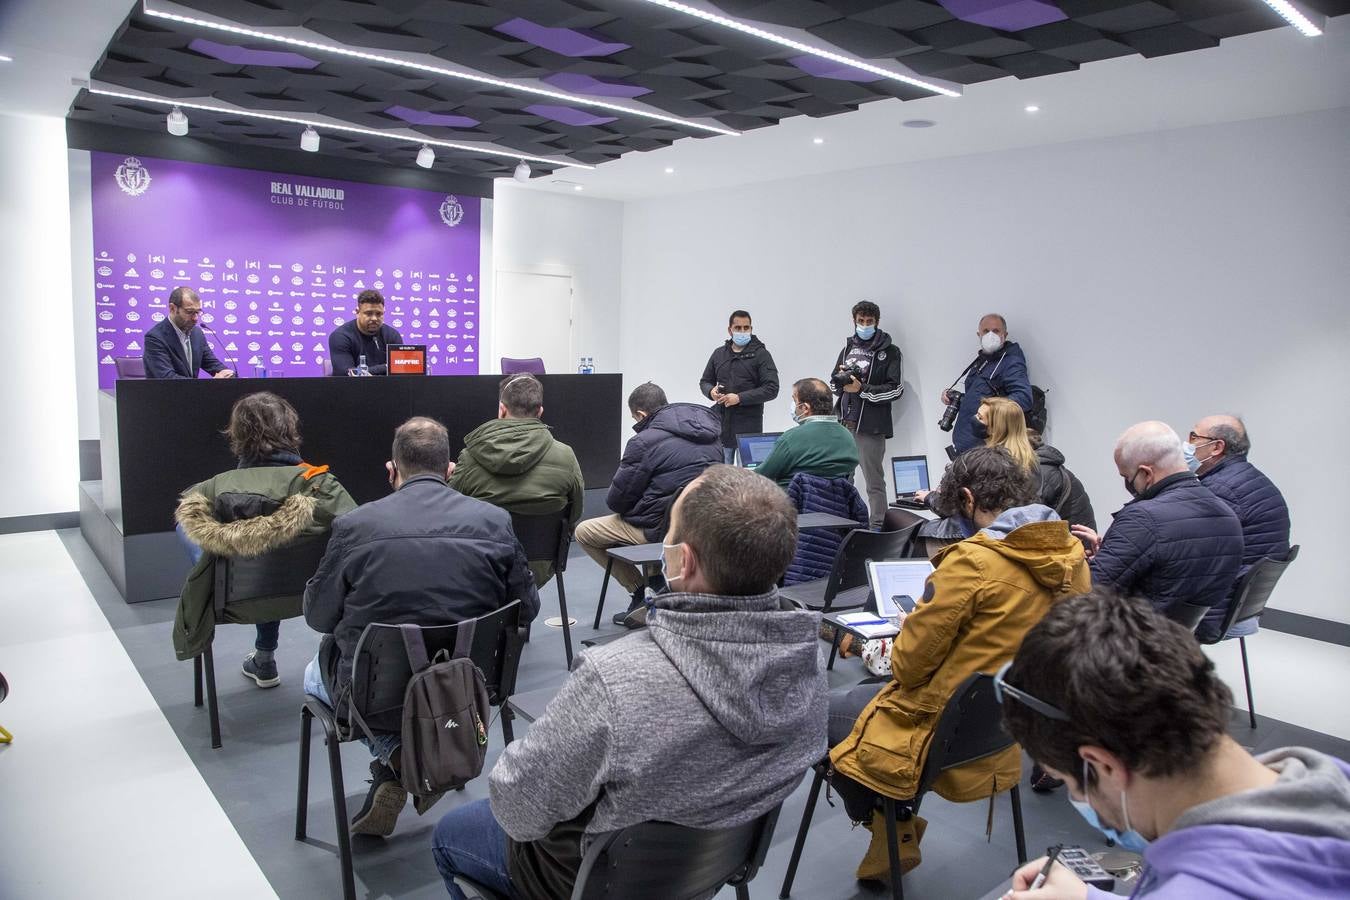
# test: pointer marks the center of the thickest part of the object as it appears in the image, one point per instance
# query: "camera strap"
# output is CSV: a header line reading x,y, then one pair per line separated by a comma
x,y
968,369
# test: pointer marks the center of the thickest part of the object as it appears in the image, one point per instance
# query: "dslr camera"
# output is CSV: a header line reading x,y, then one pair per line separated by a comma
x,y
953,408
844,377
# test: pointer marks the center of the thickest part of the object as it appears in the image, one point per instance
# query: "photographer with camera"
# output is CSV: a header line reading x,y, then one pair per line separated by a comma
x,y
867,378
1000,370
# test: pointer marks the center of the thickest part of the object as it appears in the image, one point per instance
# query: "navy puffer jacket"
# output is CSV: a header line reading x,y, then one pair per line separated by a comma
x,y
1175,543
1264,515
816,547
671,448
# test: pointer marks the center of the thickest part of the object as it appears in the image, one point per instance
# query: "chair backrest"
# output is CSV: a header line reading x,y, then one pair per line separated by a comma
x,y
970,728
860,545
327,367
380,667
897,519
545,538
1188,615
130,367
1253,590
532,366
280,573
657,859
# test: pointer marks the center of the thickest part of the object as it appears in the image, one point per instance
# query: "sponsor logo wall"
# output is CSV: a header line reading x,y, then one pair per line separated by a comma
x,y
278,261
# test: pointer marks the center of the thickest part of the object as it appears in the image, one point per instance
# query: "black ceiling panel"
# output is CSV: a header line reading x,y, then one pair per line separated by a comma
x,y
608,50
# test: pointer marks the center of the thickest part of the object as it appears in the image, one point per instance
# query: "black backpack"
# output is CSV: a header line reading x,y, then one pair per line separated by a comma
x,y
1037,415
445,716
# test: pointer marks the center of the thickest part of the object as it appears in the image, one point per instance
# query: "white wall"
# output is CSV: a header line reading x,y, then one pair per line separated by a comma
x,y
536,231
1167,275
39,453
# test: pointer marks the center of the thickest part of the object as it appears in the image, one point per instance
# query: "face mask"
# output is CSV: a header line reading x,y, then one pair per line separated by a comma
x,y
990,342
1188,450
1129,485
740,338
980,430
866,332
1129,839
796,417
670,579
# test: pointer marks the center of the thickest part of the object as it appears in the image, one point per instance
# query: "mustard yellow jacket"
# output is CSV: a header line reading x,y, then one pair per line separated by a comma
x,y
982,598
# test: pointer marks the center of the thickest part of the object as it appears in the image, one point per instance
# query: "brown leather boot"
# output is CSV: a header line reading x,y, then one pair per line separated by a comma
x,y
876,864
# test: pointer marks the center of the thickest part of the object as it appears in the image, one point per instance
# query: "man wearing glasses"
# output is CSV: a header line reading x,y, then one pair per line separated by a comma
x,y
176,347
1123,705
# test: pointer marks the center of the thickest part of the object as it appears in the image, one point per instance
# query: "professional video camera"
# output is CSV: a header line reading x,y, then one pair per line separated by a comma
x,y
844,377
953,408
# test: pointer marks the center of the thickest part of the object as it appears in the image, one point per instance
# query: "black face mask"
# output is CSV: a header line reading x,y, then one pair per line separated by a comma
x,y
1129,485
980,430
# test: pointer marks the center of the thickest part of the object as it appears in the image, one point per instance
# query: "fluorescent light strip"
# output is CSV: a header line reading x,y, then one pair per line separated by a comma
x,y
328,126
1294,17
437,70
804,48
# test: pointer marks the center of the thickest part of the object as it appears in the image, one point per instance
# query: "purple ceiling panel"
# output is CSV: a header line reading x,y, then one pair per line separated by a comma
x,y
568,116
1005,15
565,41
584,84
242,56
418,117
825,68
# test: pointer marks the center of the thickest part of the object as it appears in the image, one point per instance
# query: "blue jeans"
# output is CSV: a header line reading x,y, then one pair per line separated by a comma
x,y
469,842
269,633
384,747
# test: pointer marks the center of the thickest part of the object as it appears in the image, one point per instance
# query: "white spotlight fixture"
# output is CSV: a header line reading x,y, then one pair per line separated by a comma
x,y
177,123
1291,15
1033,108
426,157
817,140
309,140
522,172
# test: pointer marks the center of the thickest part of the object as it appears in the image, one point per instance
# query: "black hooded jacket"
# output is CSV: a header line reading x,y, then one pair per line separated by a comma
x,y
752,376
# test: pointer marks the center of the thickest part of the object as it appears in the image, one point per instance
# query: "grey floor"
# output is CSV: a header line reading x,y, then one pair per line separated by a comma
x,y
253,775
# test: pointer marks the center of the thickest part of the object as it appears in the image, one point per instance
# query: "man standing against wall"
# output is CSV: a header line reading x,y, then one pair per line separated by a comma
x,y
740,378
868,379
999,371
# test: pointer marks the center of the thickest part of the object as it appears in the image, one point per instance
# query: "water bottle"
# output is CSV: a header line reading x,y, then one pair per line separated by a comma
x,y
588,366
361,367
581,366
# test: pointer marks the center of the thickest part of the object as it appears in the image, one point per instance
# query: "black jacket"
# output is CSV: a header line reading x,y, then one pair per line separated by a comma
x,y
346,346
751,375
883,383
1062,491
671,448
163,353
1176,542
426,554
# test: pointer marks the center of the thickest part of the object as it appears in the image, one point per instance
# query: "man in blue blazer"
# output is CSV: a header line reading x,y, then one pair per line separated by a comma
x,y
176,347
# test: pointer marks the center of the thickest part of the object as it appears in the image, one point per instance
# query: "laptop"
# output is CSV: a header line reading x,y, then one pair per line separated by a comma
x,y
910,475
897,585
753,449
407,359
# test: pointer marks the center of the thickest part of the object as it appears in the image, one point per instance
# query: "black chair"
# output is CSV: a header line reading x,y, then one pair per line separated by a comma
x,y
970,729
380,674
1250,595
846,585
241,582
1187,615
657,859
898,519
548,538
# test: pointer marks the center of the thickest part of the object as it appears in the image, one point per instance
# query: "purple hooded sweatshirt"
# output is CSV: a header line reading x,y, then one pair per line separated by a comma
x,y
1290,840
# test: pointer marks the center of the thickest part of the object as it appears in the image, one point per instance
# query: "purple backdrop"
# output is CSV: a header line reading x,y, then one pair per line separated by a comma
x,y
278,261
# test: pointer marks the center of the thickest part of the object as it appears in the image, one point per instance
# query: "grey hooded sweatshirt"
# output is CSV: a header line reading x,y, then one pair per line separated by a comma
x,y
708,718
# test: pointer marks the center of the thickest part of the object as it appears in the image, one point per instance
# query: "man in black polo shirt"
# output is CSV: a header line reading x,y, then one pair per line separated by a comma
x,y
366,335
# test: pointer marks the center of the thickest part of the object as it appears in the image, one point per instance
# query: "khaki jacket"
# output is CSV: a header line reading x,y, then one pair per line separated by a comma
x,y
983,597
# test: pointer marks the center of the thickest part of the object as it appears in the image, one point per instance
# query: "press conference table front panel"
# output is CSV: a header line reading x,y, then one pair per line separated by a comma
x,y
159,437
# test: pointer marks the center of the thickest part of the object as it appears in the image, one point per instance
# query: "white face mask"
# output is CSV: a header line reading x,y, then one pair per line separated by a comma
x,y
990,342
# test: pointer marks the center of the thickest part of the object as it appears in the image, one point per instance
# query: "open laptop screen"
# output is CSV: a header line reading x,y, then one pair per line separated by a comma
x,y
897,584
755,448
911,474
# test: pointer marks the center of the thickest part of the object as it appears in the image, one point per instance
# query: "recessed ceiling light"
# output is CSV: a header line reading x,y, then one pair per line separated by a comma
x,y
1033,109
817,140
4,58
918,123
1294,17
670,170
576,187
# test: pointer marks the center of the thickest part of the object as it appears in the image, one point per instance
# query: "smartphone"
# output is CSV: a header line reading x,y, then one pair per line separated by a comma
x,y
1086,867
904,601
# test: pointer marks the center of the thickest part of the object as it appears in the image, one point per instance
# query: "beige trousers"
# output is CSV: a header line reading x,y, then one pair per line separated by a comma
x,y
599,534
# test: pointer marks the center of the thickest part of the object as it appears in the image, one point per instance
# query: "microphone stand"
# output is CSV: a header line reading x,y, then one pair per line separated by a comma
x,y
211,332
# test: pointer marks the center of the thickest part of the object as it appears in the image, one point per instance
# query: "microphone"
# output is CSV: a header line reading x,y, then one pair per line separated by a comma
x,y
211,332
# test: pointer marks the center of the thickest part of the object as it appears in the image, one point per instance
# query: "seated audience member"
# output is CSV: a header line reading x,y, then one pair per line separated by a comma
x,y
1175,542
672,445
1217,453
269,500
514,462
984,594
366,335
819,445
707,718
424,555
1138,729
176,347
